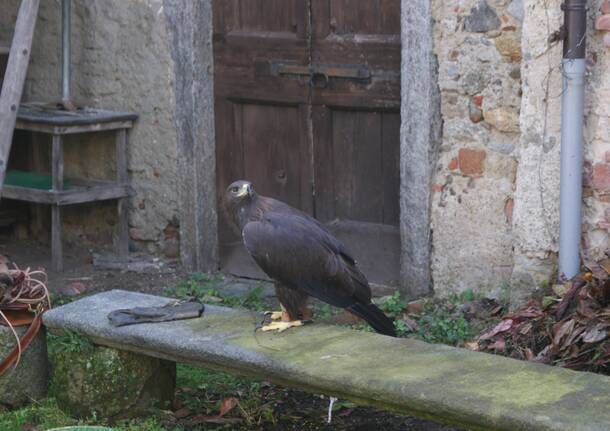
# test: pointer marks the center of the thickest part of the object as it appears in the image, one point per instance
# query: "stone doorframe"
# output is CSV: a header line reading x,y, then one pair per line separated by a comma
x,y
190,24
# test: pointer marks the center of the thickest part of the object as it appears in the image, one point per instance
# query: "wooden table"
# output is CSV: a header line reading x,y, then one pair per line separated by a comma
x,y
58,123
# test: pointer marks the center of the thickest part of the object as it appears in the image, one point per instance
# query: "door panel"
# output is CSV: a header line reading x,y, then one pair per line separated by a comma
x,y
276,163
307,96
356,128
261,121
364,16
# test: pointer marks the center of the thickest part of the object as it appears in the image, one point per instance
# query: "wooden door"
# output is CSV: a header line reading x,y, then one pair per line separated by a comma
x,y
261,119
356,125
307,108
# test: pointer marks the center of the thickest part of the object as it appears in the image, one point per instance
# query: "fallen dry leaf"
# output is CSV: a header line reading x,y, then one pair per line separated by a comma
x,y
596,334
200,419
504,325
498,345
227,405
605,264
182,413
472,345
564,329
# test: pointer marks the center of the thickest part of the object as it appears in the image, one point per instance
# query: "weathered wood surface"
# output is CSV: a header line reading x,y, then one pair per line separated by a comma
x,y
469,389
57,173
297,116
123,203
79,193
14,78
71,130
190,25
51,115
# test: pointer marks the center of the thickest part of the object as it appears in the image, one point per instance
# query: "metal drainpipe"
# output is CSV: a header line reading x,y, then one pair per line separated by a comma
x,y
572,117
65,50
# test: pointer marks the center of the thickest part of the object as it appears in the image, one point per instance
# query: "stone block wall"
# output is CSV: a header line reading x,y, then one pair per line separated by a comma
x,y
478,45
496,189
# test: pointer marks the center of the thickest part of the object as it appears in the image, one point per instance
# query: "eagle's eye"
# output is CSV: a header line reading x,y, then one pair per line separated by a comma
x,y
234,189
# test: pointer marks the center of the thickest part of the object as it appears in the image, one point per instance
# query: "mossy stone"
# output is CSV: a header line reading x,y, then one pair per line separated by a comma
x,y
28,381
111,383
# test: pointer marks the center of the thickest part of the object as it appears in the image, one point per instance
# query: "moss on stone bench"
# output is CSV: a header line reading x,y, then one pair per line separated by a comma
x,y
455,386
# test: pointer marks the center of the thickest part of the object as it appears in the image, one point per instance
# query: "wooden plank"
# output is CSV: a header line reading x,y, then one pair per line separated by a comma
x,y
57,260
121,157
390,137
57,174
390,16
75,195
16,71
79,196
49,113
70,130
123,204
320,10
368,15
343,129
273,152
28,195
57,163
324,181
367,198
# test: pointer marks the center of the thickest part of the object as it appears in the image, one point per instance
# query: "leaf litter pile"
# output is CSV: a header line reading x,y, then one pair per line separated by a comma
x,y
569,328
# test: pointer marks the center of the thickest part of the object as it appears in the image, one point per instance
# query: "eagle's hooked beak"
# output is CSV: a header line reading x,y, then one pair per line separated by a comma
x,y
246,189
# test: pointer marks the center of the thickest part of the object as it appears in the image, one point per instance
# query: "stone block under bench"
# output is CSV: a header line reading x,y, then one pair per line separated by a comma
x,y
454,386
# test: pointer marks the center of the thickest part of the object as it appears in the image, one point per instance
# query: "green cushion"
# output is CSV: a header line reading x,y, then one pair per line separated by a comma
x,y
32,180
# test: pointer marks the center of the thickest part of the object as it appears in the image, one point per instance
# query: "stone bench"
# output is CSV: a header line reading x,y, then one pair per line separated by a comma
x,y
455,386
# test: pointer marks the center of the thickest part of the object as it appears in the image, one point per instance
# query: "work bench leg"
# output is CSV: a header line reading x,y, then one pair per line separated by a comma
x,y
123,207
57,170
56,247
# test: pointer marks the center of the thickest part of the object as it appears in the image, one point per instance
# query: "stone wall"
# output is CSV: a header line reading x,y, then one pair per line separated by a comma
x,y
537,211
495,182
478,44
122,61
496,189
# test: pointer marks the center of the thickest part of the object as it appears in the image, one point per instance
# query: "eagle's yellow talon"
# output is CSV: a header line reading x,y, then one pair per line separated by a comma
x,y
281,326
274,315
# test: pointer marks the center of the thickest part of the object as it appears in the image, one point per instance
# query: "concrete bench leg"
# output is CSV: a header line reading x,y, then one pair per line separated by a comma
x,y
29,380
114,384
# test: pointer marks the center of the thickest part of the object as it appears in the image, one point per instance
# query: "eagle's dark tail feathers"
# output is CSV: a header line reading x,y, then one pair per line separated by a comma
x,y
374,317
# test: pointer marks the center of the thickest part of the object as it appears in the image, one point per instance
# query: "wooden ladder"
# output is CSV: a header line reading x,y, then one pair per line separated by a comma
x,y
14,78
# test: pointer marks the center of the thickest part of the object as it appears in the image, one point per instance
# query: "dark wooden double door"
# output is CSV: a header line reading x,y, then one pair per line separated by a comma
x,y
307,98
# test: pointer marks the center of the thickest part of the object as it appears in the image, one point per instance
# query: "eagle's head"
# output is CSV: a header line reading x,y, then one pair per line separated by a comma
x,y
239,192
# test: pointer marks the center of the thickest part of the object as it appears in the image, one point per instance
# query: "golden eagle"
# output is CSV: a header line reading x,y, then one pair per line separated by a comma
x,y
302,257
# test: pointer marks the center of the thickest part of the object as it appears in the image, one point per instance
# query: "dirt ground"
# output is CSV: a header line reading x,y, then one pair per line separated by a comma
x,y
79,268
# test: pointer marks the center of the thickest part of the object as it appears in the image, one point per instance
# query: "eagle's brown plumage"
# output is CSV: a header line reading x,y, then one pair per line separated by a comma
x,y
301,256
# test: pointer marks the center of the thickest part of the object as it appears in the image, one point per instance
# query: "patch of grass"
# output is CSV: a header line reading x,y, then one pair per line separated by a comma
x,y
203,390
197,286
440,324
67,341
393,305
43,415
47,415
324,311
203,287
252,301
